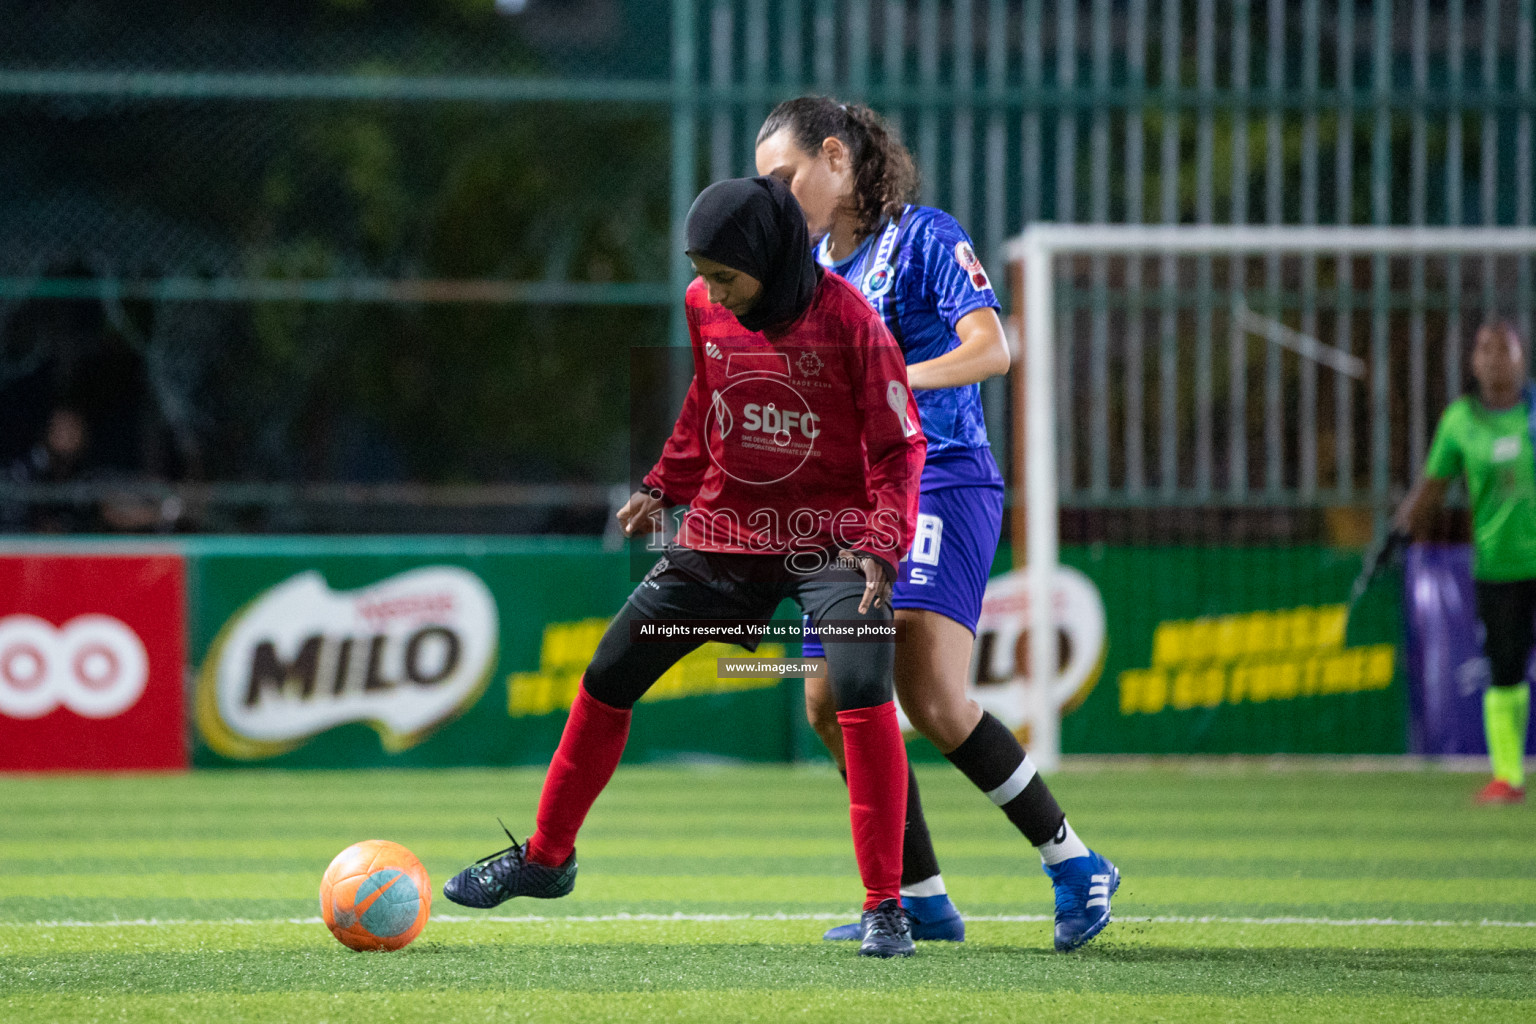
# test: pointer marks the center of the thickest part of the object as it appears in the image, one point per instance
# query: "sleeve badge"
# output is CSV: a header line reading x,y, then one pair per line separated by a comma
x,y
966,257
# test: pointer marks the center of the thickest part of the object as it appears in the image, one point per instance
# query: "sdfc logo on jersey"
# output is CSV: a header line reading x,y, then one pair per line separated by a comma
x,y
771,428
966,257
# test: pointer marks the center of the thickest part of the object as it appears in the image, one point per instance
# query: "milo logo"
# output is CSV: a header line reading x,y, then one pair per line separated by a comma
x,y
1000,661
403,655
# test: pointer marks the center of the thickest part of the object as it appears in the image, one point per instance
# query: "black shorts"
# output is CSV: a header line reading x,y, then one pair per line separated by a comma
x,y
1508,615
688,584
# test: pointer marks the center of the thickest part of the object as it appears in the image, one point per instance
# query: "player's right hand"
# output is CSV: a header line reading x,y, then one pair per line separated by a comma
x,y
641,514
877,589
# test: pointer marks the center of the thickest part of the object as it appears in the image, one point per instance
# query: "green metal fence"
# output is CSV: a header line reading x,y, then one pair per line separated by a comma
x,y
228,190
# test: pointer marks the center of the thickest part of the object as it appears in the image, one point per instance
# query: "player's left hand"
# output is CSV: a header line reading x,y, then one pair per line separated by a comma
x,y
877,589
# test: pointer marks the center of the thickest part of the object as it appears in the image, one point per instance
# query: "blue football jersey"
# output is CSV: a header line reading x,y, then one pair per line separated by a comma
x,y
922,276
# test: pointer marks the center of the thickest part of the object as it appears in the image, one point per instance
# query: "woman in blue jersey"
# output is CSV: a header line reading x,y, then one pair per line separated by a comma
x,y
917,267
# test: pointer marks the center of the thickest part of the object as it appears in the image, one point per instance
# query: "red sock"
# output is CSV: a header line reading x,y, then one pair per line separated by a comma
x,y
589,751
877,797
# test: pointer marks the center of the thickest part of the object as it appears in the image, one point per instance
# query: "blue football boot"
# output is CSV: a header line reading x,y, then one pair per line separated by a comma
x,y
493,880
1083,888
886,932
930,918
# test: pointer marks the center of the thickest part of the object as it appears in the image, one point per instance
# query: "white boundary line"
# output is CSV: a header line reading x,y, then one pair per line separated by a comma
x,y
1355,922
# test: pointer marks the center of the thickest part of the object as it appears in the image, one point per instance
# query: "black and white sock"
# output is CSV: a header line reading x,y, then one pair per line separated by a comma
x,y
995,762
919,864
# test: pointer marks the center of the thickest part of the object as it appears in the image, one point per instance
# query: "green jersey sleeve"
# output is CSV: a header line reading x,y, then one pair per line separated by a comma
x,y
1445,454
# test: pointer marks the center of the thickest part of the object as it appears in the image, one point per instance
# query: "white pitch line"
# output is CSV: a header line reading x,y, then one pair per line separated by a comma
x,y
1354,922
1348,922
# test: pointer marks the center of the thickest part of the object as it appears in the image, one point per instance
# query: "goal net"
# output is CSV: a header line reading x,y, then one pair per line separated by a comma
x,y
1212,425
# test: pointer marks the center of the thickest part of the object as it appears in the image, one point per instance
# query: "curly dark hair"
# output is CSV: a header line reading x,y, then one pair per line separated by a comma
x,y
884,177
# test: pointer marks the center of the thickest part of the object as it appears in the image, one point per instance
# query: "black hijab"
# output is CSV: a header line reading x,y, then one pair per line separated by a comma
x,y
754,225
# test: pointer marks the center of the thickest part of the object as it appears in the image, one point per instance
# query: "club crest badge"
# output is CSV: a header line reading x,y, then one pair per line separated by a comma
x,y
881,275
966,257
877,282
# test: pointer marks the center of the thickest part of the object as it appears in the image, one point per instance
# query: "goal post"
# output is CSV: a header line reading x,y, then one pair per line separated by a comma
x,y
1389,299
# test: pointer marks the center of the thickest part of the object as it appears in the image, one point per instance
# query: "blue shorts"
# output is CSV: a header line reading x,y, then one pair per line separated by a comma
x,y
946,571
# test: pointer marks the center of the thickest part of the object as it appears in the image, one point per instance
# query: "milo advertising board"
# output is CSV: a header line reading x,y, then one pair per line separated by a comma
x,y
425,652
372,652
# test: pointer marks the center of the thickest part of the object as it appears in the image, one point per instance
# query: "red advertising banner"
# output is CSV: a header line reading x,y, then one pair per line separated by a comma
x,y
92,651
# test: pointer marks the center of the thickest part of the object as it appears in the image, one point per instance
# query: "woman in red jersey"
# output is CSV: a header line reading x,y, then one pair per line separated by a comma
x,y
798,453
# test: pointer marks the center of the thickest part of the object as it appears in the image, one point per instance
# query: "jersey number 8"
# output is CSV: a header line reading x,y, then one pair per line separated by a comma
x,y
925,545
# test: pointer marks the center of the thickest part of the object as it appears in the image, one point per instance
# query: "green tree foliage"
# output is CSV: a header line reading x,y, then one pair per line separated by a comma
x,y
344,190
468,390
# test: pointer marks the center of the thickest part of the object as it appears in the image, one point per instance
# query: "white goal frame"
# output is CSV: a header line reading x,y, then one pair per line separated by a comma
x,y
1037,248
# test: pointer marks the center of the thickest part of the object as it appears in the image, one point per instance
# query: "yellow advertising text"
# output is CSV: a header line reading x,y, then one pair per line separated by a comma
x,y
1255,657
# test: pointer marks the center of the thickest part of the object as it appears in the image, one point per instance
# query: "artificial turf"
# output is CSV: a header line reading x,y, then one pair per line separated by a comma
x,y
1250,893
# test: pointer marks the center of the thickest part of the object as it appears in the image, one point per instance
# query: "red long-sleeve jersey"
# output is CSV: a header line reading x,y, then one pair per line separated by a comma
x,y
795,440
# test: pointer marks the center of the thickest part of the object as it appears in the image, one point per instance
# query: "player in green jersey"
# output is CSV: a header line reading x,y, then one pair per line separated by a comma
x,y
1487,438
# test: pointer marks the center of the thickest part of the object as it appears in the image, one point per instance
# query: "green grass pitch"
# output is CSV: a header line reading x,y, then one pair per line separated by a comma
x,y
1250,893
